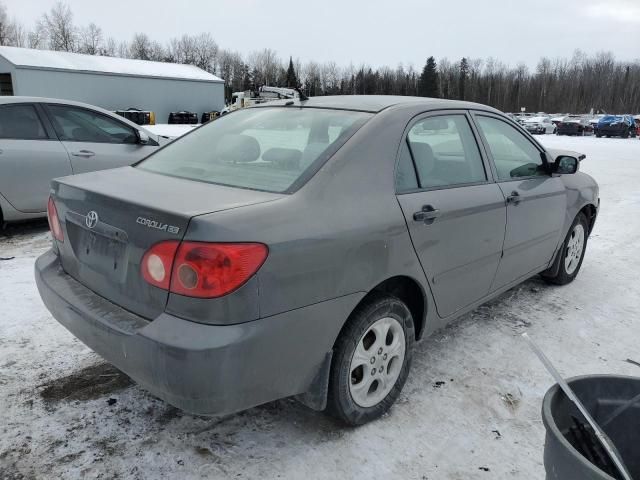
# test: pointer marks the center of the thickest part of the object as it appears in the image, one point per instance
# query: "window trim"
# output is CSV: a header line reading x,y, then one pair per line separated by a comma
x,y
43,123
517,127
60,132
489,174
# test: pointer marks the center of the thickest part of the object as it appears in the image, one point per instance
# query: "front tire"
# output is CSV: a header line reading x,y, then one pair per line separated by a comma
x,y
572,253
371,360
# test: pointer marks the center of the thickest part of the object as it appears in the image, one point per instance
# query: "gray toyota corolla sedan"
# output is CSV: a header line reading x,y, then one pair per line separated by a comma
x,y
302,248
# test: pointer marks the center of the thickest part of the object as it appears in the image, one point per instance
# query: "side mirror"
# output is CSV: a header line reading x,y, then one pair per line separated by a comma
x,y
143,138
565,164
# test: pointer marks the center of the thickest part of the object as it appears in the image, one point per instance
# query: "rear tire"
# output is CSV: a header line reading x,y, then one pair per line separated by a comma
x,y
371,360
572,253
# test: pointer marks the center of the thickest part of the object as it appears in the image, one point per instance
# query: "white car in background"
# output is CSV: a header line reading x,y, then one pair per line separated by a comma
x,y
44,138
539,125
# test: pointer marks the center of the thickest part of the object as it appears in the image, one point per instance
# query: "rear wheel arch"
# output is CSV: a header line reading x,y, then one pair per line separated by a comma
x,y
407,290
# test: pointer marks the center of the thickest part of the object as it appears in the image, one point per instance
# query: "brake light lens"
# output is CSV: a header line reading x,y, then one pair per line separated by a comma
x,y
208,270
202,270
54,221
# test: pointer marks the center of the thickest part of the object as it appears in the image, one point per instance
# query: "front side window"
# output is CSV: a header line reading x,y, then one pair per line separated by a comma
x,y
82,125
445,152
513,154
266,148
21,122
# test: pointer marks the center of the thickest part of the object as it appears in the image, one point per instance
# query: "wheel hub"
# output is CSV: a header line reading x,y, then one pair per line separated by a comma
x,y
575,247
380,351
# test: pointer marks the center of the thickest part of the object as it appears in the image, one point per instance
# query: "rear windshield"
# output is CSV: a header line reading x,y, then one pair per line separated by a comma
x,y
270,148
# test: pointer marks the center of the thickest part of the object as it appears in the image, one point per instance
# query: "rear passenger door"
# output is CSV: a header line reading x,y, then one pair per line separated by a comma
x,y
96,141
536,201
30,157
455,213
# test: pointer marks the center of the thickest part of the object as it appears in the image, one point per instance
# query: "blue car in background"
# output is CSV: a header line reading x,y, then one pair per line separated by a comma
x,y
616,126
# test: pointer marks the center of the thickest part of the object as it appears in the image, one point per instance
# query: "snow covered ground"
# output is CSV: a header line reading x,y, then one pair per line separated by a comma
x,y
170,130
470,409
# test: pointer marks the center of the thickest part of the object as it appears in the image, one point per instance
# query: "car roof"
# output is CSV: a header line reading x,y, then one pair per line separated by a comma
x,y
7,100
377,103
24,99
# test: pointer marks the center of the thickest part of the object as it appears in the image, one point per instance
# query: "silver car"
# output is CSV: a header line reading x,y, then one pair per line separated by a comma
x,y
41,139
301,248
539,125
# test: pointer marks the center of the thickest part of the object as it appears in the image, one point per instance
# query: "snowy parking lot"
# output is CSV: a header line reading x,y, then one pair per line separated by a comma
x,y
470,408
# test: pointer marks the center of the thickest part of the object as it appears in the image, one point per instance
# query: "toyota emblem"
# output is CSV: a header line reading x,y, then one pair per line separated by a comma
x,y
92,219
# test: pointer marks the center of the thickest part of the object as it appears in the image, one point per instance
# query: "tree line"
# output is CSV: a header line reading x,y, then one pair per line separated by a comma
x,y
579,84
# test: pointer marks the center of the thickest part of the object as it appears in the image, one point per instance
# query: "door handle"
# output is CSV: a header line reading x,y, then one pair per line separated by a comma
x,y
83,153
513,198
427,215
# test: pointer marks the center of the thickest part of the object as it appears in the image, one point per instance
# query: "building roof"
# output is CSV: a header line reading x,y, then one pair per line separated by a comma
x,y
76,62
377,103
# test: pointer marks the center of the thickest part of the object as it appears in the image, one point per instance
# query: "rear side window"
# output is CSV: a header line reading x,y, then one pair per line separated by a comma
x,y
21,122
268,148
445,152
82,125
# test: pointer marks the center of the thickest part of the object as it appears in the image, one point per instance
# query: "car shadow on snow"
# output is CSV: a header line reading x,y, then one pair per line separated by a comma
x,y
22,229
90,383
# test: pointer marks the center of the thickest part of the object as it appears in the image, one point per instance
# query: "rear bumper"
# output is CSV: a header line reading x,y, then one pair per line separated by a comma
x,y
203,369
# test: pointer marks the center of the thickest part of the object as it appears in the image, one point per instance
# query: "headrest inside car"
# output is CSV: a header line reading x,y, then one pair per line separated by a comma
x,y
233,148
286,158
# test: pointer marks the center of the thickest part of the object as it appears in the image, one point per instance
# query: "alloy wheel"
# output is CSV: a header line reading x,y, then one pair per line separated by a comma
x,y
575,246
377,362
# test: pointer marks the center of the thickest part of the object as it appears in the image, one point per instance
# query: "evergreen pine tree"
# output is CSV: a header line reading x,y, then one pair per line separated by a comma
x,y
428,86
462,81
292,79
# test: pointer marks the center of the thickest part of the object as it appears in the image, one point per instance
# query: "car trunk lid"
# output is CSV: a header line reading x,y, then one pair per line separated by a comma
x,y
111,218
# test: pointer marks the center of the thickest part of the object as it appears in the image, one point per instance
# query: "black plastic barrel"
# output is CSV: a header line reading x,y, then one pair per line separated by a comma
x,y
571,450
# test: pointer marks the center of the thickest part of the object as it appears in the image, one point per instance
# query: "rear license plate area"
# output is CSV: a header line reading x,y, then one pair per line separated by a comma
x,y
103,249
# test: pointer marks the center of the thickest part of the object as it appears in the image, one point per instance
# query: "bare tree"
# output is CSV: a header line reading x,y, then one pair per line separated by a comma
x,y
140,47
206,52
91,41
110,48
59,28
5,26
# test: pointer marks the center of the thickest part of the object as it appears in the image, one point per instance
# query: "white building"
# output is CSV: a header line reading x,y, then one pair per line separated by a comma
x,y
110,83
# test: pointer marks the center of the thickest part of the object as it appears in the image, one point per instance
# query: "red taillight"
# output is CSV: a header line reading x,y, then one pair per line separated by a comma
x,y
157,263
54,221
204,270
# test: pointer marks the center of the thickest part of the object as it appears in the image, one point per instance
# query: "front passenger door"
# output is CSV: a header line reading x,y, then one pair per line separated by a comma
x,y
95,141
455,215
536,201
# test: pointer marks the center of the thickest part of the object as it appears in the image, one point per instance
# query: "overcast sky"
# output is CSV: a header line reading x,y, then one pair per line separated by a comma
x,y
376,32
